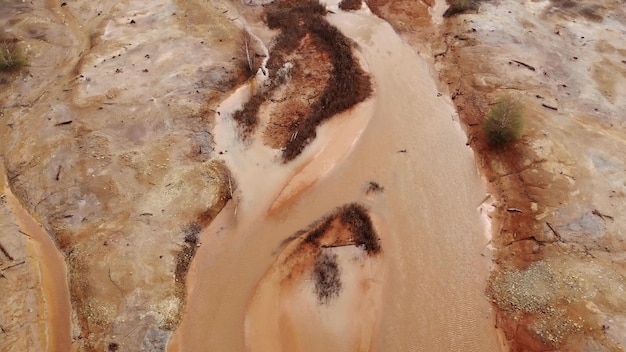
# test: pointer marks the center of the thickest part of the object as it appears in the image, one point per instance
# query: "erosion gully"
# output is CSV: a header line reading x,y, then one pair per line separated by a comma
x,y
52,275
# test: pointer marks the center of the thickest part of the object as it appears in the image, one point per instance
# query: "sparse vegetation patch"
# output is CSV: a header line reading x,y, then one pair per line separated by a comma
x,y
191,231
530,290
247,118
319,230
460,6
552,296
11,57
504,122
374,187
348,86
249,58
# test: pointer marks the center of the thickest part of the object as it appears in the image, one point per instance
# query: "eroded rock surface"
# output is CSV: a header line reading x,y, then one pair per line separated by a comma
x,y
106,138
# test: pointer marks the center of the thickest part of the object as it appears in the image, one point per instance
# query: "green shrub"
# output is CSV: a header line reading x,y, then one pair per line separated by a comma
x,y
456,7
504,122
11,57
459,5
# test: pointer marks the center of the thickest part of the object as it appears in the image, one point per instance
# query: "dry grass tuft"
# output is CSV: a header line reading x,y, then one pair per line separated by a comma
x,y
460,6
11,57
505,122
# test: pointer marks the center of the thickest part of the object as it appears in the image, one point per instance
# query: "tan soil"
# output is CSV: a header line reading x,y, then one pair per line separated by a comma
x,y
122,174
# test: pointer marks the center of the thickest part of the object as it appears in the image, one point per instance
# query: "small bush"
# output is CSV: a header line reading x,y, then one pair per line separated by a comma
x,y
458,6
504,122
11,57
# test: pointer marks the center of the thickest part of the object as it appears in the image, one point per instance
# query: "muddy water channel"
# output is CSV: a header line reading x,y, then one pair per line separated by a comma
x,y
52,273
431,275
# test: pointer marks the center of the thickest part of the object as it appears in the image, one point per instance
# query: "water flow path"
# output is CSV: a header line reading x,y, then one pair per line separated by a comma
x,y
406,140
53,275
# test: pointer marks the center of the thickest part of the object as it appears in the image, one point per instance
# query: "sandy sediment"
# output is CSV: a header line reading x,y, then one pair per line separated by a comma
x,y
323,292
420,236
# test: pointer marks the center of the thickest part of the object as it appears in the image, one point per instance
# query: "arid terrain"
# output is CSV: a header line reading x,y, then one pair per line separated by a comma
x,y
558,192
301,176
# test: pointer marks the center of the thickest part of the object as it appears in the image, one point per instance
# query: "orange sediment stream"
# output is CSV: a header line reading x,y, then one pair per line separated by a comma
x,y
431,275
53,273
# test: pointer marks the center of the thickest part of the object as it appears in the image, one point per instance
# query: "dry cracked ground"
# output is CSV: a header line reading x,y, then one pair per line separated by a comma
x,y
106,141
